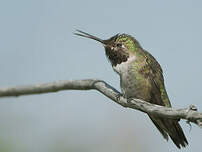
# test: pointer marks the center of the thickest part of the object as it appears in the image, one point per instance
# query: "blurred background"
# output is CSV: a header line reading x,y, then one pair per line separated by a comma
x,y
37,45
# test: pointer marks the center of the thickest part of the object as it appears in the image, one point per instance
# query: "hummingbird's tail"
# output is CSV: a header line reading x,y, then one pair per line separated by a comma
x,y
172,128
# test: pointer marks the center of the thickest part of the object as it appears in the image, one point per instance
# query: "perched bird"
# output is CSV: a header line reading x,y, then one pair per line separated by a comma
x,y
141,77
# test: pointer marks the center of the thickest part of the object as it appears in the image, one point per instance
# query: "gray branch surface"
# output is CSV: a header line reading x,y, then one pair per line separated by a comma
x,y
191,114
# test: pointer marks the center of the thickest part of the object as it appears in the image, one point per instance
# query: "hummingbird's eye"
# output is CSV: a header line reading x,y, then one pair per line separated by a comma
x,y
119,45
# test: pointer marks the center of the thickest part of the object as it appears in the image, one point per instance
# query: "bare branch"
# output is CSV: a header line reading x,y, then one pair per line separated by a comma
x,y
189,113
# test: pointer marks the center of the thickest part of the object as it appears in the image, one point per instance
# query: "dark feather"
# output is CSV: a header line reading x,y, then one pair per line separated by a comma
x,y
159,96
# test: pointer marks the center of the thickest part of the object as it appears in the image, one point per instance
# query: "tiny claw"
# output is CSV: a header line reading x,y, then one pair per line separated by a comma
x,y
118,96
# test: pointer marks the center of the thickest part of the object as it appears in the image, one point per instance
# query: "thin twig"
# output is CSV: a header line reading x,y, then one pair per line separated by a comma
x,y
191,114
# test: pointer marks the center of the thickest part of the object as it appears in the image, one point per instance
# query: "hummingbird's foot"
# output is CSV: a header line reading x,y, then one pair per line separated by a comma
x,y
118,97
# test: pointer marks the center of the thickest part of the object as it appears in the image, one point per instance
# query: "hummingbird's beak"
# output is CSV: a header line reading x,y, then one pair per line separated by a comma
x,y
84,34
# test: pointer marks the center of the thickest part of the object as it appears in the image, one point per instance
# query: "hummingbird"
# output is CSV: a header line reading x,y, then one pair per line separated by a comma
x,y
141,77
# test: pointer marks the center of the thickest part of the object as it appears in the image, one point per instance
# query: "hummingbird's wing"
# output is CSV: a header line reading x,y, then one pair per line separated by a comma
x,y
159,96
157,81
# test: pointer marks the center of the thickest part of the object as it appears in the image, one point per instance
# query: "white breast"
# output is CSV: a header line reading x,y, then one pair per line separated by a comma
x,y
123,67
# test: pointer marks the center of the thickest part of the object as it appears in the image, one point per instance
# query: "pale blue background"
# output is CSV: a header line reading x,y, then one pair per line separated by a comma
x,y
37,45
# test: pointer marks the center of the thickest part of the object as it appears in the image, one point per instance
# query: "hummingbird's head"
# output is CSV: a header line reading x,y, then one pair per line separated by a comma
x,y
118,48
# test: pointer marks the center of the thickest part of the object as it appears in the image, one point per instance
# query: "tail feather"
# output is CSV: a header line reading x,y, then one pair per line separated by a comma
x,y
171,128
177,135
156,123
